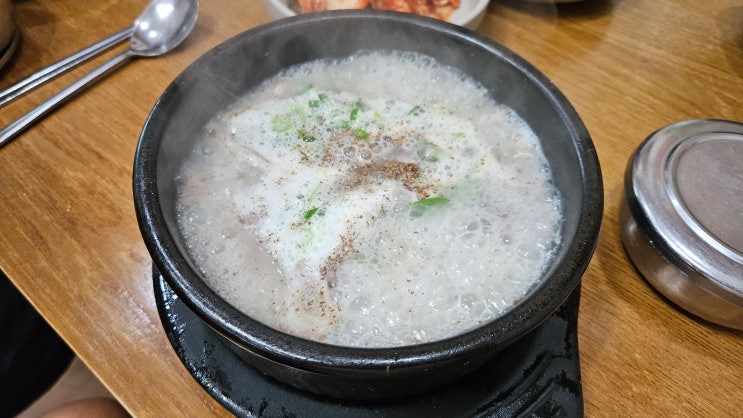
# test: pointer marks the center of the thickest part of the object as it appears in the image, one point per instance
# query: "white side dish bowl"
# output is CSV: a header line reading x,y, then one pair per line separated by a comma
x,y
469,14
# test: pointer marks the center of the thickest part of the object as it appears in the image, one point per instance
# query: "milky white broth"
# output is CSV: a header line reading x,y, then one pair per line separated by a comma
x,y
377,201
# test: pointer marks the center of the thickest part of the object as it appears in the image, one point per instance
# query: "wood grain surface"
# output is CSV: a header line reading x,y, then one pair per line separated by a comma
x,y
69,238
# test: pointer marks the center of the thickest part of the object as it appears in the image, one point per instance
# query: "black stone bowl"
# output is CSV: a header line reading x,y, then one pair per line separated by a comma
x,y
228,71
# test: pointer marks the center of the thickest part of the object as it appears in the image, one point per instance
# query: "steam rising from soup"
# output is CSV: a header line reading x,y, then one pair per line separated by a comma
x,y
375,201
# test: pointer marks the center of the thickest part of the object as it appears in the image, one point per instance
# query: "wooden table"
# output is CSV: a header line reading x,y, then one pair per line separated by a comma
x,y
70,240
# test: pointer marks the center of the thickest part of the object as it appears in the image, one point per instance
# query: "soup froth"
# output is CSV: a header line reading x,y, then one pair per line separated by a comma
x,y
376,201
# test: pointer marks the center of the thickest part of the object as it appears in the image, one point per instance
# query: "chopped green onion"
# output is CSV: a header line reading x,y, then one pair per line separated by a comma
x,y
309,213
362,258
310,234
305,136
308,88
280,123
415,111
316,102
355,110
377,117
430,201
427,151
360,133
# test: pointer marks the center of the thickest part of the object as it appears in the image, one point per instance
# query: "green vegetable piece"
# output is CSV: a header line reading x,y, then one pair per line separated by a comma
x,y
430,201
427,151
360,133
355,110
315,103
312,212
281,123
309,213
307,89
305,136
416,110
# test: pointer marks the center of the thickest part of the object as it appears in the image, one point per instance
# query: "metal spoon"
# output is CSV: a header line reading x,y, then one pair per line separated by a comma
x,y
162,26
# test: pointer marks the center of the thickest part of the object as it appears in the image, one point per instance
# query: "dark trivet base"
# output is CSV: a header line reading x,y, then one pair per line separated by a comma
x,y
537,376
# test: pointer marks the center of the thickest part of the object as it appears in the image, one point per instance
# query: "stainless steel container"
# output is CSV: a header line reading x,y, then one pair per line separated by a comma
x,y
9,34
682,217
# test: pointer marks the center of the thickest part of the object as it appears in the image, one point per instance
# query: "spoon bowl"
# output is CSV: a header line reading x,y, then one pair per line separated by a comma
x,y
162,26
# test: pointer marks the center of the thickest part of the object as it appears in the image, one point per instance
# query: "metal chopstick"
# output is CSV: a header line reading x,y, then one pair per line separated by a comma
x,y
31,82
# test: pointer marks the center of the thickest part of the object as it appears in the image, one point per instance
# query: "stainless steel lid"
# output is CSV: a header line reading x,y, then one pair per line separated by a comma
x,y
682,217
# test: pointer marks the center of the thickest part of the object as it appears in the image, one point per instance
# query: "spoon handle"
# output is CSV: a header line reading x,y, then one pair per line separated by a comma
x,y
20,124
42,76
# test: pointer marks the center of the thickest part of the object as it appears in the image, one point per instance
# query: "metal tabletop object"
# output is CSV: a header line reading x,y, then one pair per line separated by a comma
x,y
682,218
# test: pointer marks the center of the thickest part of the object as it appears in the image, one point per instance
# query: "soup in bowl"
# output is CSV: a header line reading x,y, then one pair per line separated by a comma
x,y
367,204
